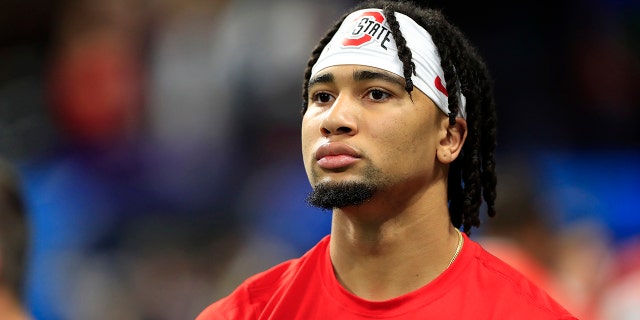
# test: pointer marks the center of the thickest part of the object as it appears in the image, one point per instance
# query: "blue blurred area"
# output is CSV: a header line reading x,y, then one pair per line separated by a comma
x,y
278,206
596,185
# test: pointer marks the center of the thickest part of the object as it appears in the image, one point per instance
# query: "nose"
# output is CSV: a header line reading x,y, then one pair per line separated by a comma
x,y
341,118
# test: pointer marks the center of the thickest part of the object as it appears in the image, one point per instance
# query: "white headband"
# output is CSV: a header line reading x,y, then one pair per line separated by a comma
x,y
364,38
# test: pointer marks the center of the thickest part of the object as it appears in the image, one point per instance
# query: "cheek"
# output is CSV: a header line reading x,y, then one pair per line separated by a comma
x,y
307,138
406,137
407,147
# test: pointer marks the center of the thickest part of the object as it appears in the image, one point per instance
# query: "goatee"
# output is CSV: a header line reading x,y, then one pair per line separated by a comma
x,y
342,194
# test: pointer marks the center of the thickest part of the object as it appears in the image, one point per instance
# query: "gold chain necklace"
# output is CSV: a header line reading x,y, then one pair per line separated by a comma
x,y
458,248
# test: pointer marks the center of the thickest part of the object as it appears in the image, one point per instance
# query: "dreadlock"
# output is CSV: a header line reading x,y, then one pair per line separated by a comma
x,y
13,231
472,175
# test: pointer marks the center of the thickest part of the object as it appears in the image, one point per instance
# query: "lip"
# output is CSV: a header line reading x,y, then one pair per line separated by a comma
x,y
335,155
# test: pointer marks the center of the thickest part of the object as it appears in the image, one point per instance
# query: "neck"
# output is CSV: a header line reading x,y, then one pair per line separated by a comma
x,y
383,258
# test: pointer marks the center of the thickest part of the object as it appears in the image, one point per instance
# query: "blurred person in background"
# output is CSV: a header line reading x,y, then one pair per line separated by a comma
x,y
618,299
14,244
404,161
527,237
583,262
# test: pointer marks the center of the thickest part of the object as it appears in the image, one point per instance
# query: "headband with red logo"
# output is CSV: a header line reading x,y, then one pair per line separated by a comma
x,y
364,38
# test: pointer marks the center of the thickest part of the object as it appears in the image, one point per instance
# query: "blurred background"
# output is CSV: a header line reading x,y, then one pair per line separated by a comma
x,y
158,148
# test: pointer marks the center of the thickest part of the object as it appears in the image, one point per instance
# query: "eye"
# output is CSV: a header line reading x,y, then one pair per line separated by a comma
x,y
322,97
377,95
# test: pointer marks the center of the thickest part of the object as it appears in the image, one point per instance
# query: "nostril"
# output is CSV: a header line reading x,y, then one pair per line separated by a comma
x,y
339,130
344,130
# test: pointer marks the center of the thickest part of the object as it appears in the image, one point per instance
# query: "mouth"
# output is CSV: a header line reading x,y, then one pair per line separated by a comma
x,y
336,155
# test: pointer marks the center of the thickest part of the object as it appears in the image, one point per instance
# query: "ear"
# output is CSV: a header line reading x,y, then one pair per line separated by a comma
x,y
450,145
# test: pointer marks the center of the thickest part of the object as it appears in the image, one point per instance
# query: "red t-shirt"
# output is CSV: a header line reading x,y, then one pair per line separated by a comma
x,y
476,286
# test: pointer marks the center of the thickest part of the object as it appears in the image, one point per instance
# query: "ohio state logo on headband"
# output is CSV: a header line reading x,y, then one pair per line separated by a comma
x,y
369,26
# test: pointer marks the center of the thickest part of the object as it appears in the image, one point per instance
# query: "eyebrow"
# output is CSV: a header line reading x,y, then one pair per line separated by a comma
x,y
323,78
362,75
359,75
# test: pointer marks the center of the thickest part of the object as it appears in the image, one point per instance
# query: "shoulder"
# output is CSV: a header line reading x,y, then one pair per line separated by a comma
x,y
512,290
248,299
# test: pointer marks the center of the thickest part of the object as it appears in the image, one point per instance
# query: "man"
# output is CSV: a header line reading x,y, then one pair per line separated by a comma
x,y
398,136
13,246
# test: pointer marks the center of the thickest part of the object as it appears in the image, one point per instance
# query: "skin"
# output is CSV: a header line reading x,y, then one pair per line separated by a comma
x,y
10,307
402,238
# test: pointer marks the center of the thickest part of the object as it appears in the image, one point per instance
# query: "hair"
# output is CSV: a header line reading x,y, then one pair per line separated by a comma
x,y
472,175
13,232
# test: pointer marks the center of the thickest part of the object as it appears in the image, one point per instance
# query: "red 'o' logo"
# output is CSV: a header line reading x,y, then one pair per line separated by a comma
x,y
363,28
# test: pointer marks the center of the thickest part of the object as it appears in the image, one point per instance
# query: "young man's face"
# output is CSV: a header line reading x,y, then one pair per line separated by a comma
x,y
362,127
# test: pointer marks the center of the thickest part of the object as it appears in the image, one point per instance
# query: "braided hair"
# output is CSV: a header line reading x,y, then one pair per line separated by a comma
x,y
14,231
472,175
